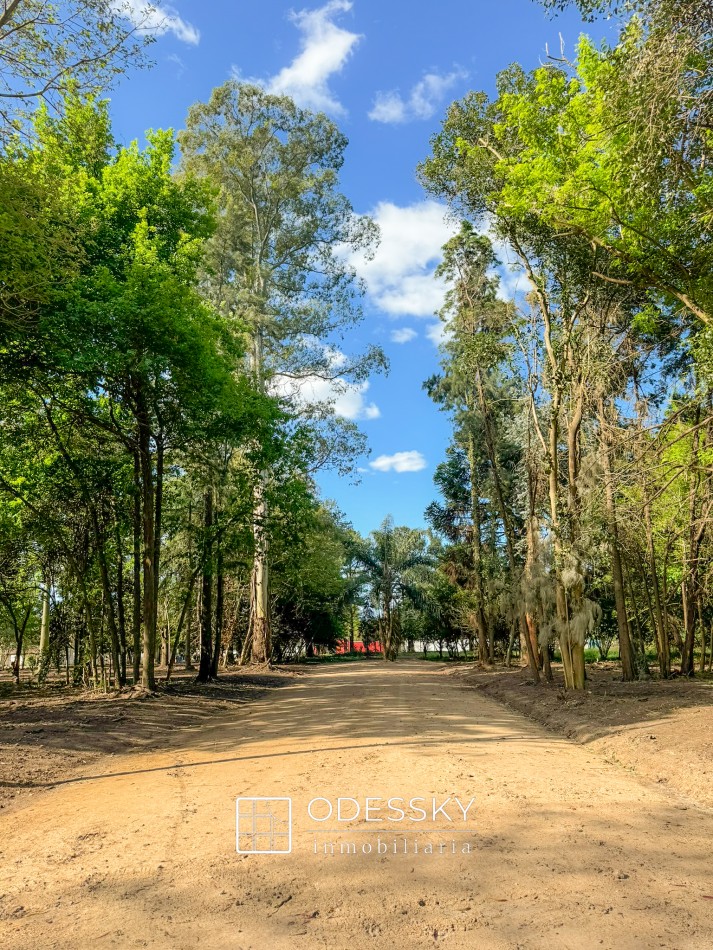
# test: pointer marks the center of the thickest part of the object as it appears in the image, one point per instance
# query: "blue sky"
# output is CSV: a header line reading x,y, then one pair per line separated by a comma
x,y
385,71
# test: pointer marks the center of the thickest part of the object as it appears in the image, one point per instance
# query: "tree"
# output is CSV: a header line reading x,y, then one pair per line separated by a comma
x,y
51,47
19,587
614,147
310,590
392,559
39,244
276,270
594,176
126,353
480,325
567,349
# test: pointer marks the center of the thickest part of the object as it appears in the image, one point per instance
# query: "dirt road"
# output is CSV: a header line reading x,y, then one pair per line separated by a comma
x,y
566,850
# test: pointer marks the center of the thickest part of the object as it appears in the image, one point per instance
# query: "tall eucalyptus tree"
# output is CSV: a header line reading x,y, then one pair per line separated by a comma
x,y
278,263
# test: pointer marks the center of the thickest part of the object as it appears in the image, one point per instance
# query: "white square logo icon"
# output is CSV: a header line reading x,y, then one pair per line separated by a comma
x,y
263,825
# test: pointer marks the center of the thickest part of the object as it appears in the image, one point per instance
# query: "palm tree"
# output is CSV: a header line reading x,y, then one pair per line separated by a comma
x,y
394,559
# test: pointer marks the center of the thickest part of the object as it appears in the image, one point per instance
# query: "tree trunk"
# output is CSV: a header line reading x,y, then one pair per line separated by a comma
x,y
246,650
507,528
697,527
194,575
701,624
188,665
531,558
511,644
120,604
91,631
219,609
625,647
259,626
158,520
570,653
481,623
662,641
148,678
108,602
185,612
206,660
136,560
19,630
260,632
44,632
642,663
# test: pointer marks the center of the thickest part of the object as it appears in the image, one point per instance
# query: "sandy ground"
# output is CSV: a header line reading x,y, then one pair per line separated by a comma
x,y
568,851
659,729
53,733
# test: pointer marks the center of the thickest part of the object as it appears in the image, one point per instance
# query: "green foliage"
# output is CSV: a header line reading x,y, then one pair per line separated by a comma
x,y
48,49
608,148
397,564
273,263
129,399
595,176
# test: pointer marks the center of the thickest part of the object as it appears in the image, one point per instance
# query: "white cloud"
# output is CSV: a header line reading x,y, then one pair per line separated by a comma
x,y
388,107
513,281
399,462
325,48
178,63
404,335
157,19
421,103
400,276
351,404
343,398
438,333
